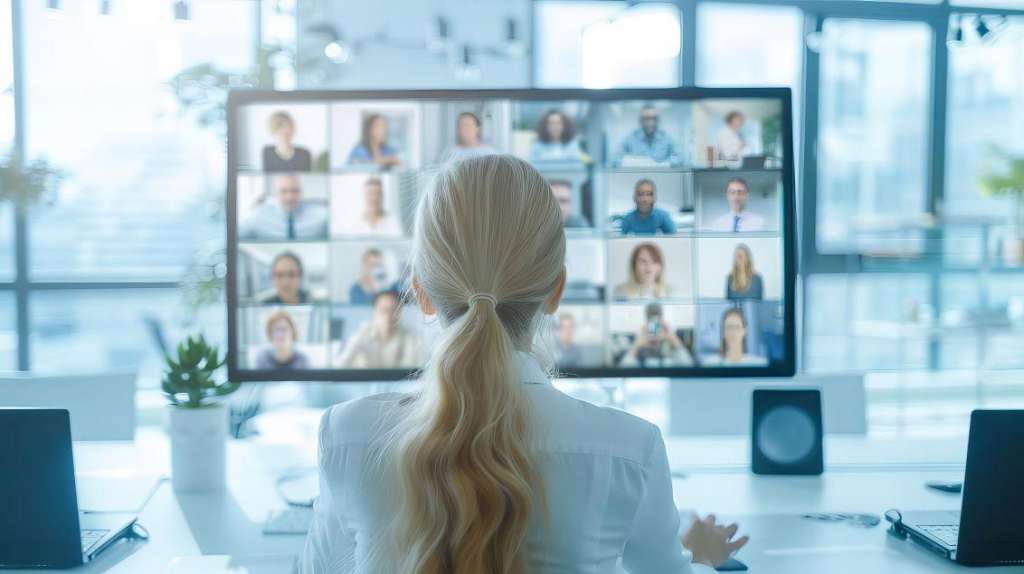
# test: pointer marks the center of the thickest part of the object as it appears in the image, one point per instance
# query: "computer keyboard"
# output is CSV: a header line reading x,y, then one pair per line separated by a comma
x,y
291,520
947,533
91,537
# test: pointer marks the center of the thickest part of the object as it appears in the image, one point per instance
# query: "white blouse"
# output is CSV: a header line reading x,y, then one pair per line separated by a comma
x,y
605,473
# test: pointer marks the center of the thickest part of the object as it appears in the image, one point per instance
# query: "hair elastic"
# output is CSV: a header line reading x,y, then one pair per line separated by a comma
x,y
485,296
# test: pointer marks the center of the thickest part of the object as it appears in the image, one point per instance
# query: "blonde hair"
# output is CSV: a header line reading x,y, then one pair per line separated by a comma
x,y
466,483
742,275
280,119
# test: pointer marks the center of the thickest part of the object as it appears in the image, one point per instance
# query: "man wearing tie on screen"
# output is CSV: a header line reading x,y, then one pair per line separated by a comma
x,y
738,219
649,141
285,215
646,219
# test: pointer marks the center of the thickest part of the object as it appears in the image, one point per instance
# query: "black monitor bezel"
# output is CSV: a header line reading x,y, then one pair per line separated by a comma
x,y
239,98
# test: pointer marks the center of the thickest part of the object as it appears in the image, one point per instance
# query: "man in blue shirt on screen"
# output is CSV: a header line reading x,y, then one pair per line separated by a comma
x,y
646,219
648,143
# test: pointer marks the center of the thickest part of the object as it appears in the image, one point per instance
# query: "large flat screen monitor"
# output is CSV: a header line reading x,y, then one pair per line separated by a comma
x,y
679,220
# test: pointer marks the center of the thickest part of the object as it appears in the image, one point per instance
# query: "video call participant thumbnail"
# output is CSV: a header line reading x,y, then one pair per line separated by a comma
x,y
382,342
562,189
567,352
733,348
646,219
646,272
285,214
286,277
283,155
374,220
282,335
731,144
468,139
743,282
373,278
738,219
556,139
656,343
373,147
649,141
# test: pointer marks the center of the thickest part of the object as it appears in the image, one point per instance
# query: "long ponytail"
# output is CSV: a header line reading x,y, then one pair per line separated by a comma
x,y
466,480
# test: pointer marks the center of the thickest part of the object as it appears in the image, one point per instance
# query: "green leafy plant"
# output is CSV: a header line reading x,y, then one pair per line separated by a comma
x,y
1007,181
188,380
24,183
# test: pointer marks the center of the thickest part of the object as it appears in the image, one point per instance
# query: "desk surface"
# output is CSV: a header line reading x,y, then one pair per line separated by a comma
x,y
864,475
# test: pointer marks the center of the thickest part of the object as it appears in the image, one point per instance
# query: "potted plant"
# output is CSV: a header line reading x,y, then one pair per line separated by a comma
x,y
198,422
24,183
1009,182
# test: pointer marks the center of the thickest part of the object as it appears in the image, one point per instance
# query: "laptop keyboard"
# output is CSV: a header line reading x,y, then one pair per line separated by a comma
x,y
91,537
947,533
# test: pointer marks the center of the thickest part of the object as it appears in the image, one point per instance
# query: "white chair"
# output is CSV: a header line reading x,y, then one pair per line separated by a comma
x,y
102,405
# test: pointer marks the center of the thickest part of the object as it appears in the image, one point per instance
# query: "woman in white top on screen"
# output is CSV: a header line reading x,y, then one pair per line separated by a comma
x,y
646,272
468,139
733,349
488,468
374,220
731,144
383,342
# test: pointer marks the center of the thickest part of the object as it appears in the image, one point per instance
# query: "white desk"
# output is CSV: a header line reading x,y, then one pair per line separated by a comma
x,y
866,476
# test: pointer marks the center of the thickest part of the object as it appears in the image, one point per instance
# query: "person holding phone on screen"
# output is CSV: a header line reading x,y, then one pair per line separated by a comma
x,y
743,281
739,218
285,214
373,278
373,147
656,344
282,354
284,155
646,219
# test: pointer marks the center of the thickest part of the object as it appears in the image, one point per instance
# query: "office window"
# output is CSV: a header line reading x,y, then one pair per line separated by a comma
x,y
93,330
6,79
742,45
144,180
8,332
986,111
873,134
1014,4
6,242
606,44
866,322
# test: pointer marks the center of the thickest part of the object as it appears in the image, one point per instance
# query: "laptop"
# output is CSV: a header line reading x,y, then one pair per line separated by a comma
x,y
989,528
41,526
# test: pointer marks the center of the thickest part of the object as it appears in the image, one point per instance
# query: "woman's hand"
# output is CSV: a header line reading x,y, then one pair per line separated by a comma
x,y
711,543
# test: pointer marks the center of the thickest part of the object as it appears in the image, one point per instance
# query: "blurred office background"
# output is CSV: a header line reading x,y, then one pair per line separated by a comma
x,y
911,268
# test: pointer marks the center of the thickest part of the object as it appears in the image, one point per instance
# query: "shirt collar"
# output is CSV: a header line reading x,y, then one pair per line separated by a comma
x,y
529,369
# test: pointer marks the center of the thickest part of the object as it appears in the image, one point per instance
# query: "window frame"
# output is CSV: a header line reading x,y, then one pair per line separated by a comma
x,y
936,15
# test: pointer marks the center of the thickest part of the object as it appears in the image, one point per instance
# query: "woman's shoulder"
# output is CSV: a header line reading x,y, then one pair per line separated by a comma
x,y
578,425
357,420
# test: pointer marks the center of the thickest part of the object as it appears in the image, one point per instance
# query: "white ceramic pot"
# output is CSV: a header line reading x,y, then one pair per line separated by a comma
x,y
198,448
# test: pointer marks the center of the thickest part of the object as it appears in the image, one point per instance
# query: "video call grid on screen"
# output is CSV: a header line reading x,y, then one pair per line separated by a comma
x,y
677,203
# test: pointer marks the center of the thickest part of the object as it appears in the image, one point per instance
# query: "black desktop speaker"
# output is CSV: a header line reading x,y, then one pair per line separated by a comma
x,y
786,432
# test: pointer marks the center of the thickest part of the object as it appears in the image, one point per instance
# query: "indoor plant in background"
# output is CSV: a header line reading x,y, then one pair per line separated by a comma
x,y
24,183
198,422
1009,182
